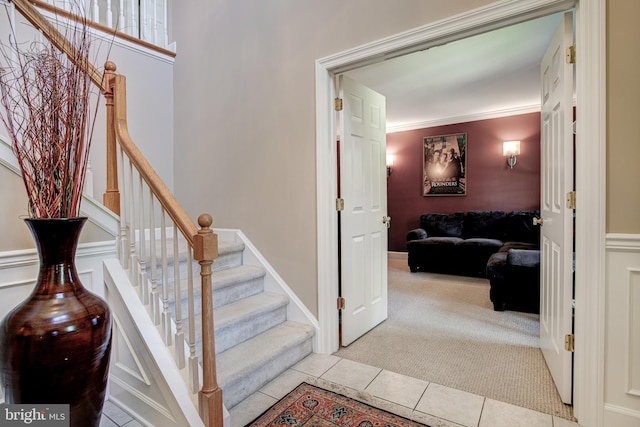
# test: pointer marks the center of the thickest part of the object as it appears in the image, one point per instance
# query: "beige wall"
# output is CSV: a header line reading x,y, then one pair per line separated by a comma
x,y
245,111
623,116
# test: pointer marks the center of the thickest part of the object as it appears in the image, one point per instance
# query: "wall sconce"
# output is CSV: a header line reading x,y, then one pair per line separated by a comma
x,y
389,164
511,149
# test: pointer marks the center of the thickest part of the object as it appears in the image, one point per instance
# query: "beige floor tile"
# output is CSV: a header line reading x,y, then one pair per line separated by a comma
x,y
115,414
250,408
351,374
397,388
316,364
500,414
283,384
453,405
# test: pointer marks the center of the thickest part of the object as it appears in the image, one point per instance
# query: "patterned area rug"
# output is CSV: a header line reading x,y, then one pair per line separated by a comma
x,y
311,406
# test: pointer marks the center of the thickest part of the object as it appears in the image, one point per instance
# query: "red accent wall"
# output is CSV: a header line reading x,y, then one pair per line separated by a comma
x,y
491,185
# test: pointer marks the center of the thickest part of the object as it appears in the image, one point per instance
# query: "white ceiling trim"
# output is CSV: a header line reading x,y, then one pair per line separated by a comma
x,y
466,118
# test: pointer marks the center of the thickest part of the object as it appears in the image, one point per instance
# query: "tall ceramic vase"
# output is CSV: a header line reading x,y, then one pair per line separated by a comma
x,y
55,346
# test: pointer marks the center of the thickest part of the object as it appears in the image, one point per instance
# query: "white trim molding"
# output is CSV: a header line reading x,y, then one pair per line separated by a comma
x,y
463,119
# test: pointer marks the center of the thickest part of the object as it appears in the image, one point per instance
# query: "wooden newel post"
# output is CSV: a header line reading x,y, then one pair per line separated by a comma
x,y
205,250
111,197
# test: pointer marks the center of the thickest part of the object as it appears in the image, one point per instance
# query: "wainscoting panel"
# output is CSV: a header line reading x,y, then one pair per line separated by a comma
x,y
622,349
143,378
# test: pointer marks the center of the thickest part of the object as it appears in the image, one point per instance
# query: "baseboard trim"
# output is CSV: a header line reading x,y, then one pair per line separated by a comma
x,y
397,255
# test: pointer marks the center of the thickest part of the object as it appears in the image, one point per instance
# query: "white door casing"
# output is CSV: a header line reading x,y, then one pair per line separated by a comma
x,y
363,187
556,288
590,171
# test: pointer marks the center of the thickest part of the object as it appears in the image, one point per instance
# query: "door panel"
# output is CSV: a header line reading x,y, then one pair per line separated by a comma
x,y
556,288
363,230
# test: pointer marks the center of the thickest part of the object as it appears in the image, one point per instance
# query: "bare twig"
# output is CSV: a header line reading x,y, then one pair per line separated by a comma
x,y
45,95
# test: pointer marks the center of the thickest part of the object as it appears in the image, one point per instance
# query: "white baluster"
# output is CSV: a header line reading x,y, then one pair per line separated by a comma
x,y
166,314
194,382
121,19
177,295
95,11
165,25
154,23
144,21
133,22
109,15
155,307
88,180
142,266
123,247
131,220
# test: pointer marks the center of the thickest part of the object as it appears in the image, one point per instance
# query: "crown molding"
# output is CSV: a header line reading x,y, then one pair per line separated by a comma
x,y
535,108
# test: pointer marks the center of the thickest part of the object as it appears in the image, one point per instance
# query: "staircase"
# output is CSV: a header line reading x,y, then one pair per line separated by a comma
x,y
255,340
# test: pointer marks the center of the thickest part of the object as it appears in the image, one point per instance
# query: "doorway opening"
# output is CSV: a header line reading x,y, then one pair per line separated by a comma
x,y
590,167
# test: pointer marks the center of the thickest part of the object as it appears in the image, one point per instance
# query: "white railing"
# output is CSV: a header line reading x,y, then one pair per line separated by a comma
x,y
146,20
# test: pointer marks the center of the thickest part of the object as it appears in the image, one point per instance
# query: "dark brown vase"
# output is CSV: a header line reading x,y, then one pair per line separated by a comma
x,y
55,346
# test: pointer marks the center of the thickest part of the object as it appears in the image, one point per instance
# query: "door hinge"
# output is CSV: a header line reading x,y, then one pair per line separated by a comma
x,y
340,303
570,342
571,200
337,103
339,205
571,54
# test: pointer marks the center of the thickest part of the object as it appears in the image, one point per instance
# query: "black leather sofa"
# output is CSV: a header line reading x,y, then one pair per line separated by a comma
x,y
480,244
514,276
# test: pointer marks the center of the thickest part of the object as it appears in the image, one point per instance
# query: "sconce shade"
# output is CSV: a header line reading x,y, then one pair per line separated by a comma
x,y
511,148
389,164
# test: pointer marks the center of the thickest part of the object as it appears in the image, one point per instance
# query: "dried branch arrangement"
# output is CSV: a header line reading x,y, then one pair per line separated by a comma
x,y
46,97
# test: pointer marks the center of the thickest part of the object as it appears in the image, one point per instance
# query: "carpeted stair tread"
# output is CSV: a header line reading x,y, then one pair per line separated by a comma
x,y
247,307
235,283
247,367
228,246
229,277
248,317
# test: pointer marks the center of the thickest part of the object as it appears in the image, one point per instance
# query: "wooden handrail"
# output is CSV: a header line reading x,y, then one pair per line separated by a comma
x,y
117,85
58,39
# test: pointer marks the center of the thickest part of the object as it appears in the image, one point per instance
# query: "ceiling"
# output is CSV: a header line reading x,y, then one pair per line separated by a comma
x,y
489,75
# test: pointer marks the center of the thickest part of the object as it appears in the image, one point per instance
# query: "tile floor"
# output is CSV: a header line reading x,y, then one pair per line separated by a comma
x,y
425,402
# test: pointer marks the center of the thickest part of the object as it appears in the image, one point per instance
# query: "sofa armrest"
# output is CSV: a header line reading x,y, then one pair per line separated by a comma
x,y
523,258
416,234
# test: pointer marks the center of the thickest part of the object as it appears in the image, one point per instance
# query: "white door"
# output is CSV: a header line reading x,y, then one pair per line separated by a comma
x,y
556,288
363,221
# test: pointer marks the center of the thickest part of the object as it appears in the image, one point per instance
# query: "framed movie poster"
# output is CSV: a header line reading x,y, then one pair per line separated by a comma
x,y
444,165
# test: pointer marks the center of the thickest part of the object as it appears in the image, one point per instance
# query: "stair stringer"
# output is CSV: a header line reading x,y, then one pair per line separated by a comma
x,y
296,310
144,380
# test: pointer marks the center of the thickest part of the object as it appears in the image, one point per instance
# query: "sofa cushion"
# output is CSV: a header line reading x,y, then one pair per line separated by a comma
x,y
486,224
481,241
519,227
518,245
448,241
442,225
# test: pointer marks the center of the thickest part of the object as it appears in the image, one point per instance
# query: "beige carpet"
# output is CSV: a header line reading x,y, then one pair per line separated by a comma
x,y
443,329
